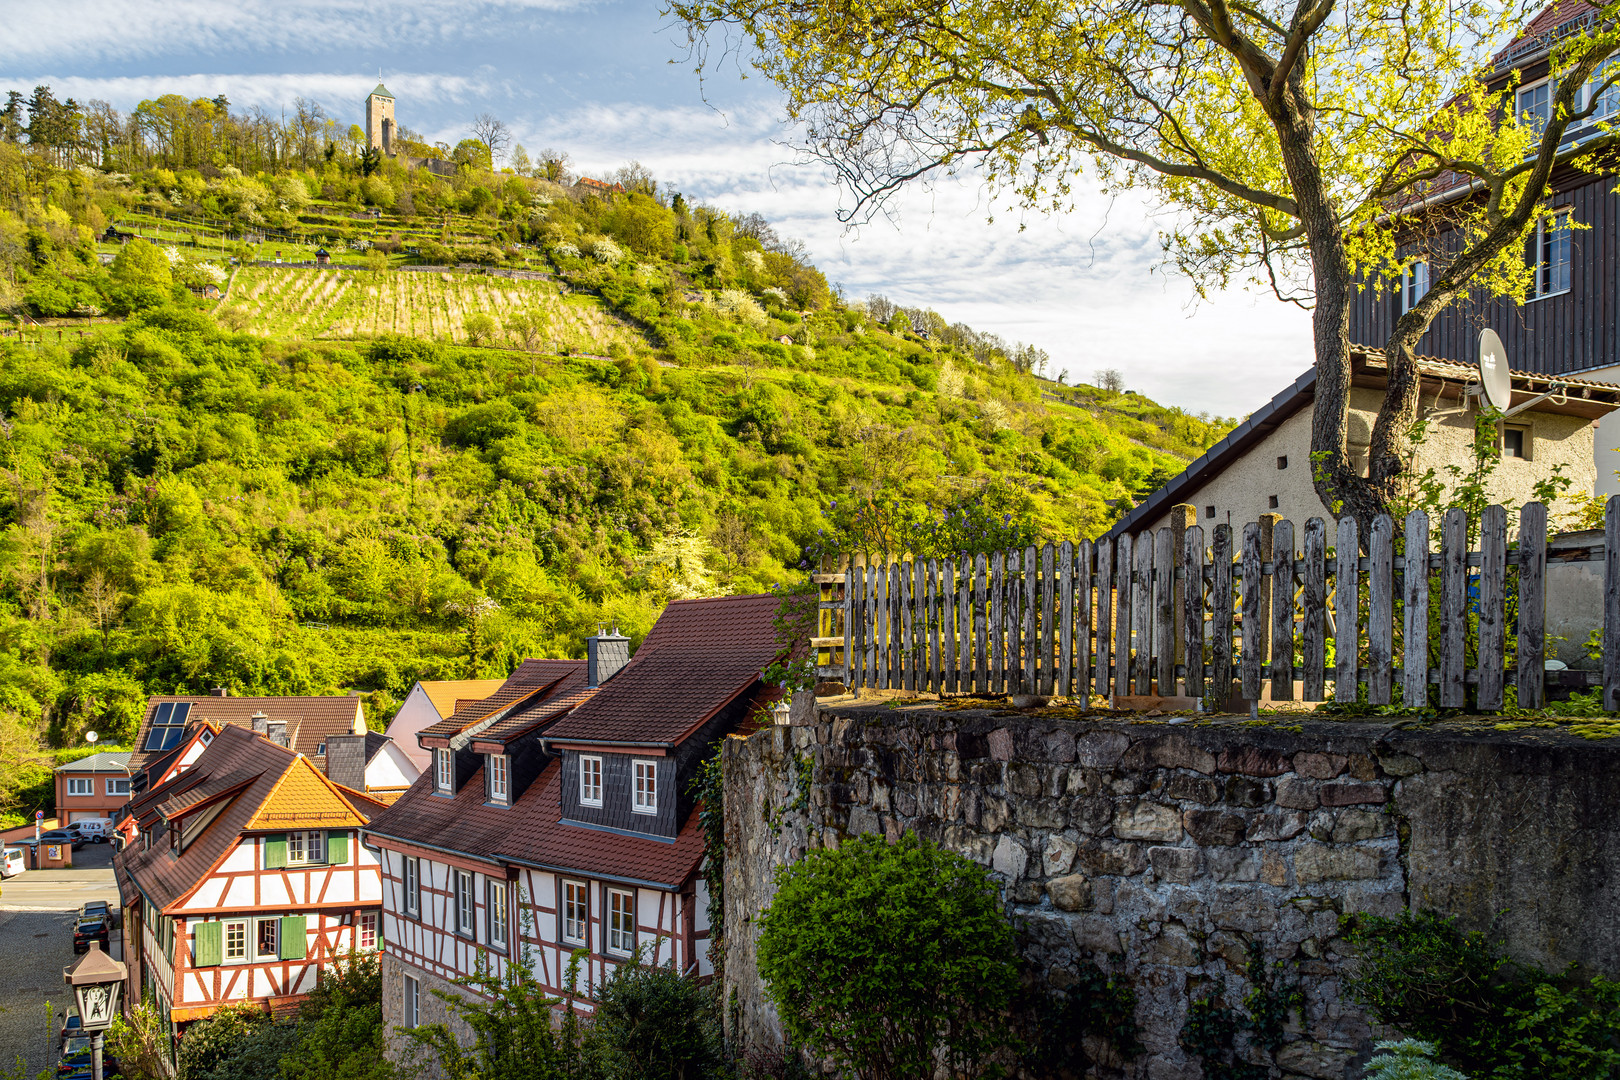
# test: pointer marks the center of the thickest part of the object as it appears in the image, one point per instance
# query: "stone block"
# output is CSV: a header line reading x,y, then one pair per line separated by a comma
x,y
1297,794
1243,908
1110,858
1253,761
863,819
1009,858
1000,744
1094,815
1313,1059
1176,865
994,814
1352,793
1319,766
1199,789
1400,765
1169,752
1071,892
1057,746
1173,948
1277,826
1353,826
1229,947
1361,767
1245,791
1058,856
1100,749
1027,779
1214,828
1233,864
1040,813
1273,868
1083,781
1097,934
1146,820
1323,862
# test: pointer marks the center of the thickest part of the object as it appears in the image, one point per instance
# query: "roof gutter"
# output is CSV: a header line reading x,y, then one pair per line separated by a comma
x,y
595,874
548,743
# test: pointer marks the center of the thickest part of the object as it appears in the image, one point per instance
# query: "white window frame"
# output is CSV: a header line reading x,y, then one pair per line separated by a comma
x,y
80,785
366,926
464,903
1611,97
1546,271
621,909
499,777
411,884
412,1003
118,787
1414,283
442,779
576,897
590,780
302,845
225,956
273,954
495,913
644,786
1545,91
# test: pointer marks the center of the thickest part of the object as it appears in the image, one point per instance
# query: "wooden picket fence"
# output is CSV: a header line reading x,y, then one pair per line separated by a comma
x,y
1252,611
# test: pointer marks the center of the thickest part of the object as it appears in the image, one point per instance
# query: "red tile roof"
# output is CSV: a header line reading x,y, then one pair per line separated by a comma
x,y
532,679
699,656
309,720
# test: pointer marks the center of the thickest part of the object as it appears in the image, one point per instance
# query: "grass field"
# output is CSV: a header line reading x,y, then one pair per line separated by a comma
x,y
343,303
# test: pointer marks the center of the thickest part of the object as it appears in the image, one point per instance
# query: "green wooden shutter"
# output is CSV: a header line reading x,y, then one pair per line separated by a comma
x,y
275,851
337,848
210,944
292,937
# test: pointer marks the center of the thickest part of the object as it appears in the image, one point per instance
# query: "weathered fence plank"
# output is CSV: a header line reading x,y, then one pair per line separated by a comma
x,y
1255,622
1165,557
1103,658
897,639
872,620
981,670
1313,604
908,638
1122,614
998,599
952,604
1381,611
1415,630
1083,556
1142,616
1611,604
882,600
1064,684
1282,611
1346,609
1453,608
933,611
1192,611
1048,596
1220,607
1492,653
1532,605
1031,629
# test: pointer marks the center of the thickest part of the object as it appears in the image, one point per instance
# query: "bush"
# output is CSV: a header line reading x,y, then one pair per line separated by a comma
x,y
881,956
209,1043
1408,1059
652,1023
1490,1016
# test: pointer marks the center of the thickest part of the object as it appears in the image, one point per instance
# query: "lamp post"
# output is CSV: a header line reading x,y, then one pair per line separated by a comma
x,y
782,711
97,981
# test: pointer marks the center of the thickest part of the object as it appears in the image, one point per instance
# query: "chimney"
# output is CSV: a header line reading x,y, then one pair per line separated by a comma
x,y
605,654
259,722
219,691
276,732
346,760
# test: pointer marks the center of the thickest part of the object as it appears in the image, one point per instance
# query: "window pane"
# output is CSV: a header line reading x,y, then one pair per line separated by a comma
x,y
268,942
235,940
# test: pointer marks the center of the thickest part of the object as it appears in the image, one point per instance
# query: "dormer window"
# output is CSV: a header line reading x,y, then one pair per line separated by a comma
x,y
646,788
498,784
590,781
441,770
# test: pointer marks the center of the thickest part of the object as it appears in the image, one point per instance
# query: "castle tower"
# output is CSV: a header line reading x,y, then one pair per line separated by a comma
x,y
380,120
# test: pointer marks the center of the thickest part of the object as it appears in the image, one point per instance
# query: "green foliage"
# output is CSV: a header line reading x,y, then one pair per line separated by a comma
x,y
652,1023
510,1019
340,1027
881,956
209,1045
1233,1044
139,263
1490,1016
1408,1059
1057,1022
708,789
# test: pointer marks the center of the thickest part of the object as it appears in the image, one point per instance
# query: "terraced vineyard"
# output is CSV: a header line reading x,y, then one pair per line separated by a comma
x,y
340,303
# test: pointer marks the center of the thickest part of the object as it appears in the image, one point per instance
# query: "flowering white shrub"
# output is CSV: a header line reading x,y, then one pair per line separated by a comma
x,y
605,250
361,245
995,411
775,294
212,272
172,253
739,306
755,261
564,250
951,383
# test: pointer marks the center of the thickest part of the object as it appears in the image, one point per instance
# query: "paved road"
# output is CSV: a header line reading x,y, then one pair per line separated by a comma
x,y
36,942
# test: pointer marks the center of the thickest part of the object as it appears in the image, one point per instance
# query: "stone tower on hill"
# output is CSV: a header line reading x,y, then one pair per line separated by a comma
x,y
380,120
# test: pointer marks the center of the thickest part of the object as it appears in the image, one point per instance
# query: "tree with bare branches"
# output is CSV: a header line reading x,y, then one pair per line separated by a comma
x,y
493,133
1288,135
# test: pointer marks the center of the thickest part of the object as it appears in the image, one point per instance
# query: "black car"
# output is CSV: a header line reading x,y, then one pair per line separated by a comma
x,y
93,929
95,909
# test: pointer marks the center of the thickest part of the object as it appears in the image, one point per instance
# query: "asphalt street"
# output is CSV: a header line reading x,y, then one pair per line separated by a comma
x,y
36,942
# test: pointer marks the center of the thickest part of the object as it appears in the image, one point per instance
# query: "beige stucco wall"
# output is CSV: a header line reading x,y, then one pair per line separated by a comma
x,y
1606,445
1243,491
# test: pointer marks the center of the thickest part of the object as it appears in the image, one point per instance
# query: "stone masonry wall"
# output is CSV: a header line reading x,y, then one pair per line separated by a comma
x,y
1164,850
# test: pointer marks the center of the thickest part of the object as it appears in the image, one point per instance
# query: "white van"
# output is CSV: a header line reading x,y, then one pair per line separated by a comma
x,y
12,862
97,830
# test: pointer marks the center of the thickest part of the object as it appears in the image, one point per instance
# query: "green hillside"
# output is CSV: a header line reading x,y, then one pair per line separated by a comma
x,y
352,478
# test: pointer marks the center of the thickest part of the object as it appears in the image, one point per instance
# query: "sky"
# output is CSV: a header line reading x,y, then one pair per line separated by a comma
x,y
609,82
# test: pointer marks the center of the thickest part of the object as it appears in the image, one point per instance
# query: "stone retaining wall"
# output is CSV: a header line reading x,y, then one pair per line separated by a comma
x,y
1164,850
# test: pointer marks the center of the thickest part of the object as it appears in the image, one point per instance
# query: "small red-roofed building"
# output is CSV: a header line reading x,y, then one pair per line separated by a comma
x,y
241,876
557,818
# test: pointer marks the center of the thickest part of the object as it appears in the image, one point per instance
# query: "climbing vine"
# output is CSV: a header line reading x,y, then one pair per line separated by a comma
x,y
1226,1040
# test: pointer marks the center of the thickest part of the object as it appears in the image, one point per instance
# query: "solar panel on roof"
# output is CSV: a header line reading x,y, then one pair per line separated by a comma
x,y
168,724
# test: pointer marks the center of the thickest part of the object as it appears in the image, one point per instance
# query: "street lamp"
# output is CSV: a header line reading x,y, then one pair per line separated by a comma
x,y
782,711
97,980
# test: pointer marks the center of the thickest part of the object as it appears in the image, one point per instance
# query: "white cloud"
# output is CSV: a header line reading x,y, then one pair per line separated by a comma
x,y
343,93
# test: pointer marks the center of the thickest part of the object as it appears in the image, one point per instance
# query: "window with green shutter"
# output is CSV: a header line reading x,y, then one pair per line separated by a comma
x,y
337,848
209,949
292,937
275,851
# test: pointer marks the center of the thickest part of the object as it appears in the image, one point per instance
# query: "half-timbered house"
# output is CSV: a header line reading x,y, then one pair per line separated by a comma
x,y
241,876
560,822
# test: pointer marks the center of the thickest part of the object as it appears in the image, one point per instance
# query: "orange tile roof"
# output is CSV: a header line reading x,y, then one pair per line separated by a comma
x,y
303,797
445,695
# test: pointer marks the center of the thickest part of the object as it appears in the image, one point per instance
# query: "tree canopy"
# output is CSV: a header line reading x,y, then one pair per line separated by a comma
x,y
1285,132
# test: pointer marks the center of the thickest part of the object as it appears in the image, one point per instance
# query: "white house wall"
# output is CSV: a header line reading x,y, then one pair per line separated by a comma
x,y
391,768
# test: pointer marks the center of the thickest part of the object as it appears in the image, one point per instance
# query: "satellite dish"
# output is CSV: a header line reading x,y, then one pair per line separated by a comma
x,y
90,736
1494,378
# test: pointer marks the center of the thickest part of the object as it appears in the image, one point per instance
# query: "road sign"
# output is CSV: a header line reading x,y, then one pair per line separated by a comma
x,y
39,815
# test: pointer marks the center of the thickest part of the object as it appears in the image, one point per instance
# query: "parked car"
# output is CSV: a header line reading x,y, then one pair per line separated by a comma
x,y
94,908
71,1030
85,931
12,862
60,836
75,1061
95,830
